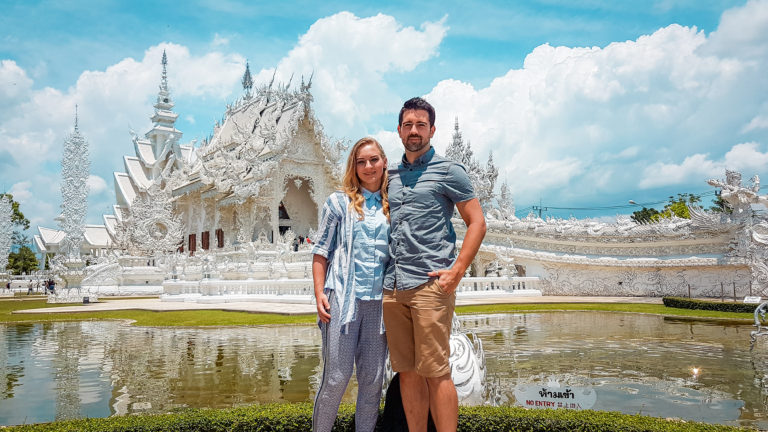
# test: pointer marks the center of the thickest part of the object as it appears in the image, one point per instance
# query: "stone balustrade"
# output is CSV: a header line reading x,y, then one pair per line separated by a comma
x,y
302,291
490,284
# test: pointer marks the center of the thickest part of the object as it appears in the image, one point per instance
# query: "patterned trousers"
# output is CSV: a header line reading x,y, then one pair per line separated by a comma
x,y
364,347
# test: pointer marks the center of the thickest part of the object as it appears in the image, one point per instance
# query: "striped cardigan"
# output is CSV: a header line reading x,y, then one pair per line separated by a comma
x,y
333,241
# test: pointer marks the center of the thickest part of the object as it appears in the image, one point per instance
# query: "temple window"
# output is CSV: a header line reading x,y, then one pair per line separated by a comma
x,y
219,238
206,240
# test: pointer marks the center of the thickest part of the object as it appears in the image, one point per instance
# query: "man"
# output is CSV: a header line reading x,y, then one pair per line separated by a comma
x,y
423,272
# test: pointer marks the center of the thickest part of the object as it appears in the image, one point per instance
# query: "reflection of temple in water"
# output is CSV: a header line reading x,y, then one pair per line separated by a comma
x,y
241,366
96,369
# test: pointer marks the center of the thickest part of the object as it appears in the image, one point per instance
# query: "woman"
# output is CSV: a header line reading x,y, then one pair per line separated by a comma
x,y
350,254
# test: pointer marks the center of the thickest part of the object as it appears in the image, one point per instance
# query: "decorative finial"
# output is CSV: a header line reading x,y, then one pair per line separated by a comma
x,y
76,117
247,80
164,79
456,124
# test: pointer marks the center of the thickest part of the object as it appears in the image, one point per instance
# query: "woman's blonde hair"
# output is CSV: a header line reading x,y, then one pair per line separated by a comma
x,y
351,182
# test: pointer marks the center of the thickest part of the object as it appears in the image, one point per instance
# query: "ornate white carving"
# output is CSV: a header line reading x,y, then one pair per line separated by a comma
x,y
74,191
150,226
751,239
483,179
6,230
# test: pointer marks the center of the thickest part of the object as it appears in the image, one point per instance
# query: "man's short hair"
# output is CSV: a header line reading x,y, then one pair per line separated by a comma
x,y
417,103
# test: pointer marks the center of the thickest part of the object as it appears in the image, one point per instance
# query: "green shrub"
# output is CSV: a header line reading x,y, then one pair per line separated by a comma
x,y
298,418
686,303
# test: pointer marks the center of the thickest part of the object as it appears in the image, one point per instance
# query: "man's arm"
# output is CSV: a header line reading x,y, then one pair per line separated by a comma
x,y
472,214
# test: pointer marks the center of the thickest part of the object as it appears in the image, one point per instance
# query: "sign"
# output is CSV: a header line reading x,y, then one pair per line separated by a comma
x,y
555,397
752,299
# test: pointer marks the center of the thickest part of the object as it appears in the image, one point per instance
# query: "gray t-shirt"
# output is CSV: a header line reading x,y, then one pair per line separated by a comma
x,y
422,196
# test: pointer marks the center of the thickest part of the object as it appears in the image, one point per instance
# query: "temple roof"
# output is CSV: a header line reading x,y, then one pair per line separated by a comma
x,y
97,236
110,221
144,152
124,189
50,236
136,170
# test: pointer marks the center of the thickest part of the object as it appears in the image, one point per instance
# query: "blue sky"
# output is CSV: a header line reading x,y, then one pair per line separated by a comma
x,y
584,104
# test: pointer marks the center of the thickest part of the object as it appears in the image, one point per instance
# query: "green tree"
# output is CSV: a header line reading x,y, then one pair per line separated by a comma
x,y
18,217
20,261
23,261
720,206
644,216
677,207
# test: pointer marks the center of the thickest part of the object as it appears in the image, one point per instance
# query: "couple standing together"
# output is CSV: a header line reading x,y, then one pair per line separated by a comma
x,y
385,258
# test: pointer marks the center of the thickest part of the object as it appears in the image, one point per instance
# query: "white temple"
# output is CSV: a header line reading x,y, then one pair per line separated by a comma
x,y
229,217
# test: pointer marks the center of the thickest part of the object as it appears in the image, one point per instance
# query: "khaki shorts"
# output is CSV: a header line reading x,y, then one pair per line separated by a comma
x,y
418,323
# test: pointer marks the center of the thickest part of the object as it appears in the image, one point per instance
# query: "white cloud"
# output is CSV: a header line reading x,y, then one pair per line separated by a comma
x,y
349,58
742,33
580,123
757,122
662,174
21,192
745,157
14,85
96,184
391,143
219,40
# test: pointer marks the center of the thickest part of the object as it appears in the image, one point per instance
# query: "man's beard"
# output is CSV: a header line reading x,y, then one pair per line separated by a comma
x,y
415,147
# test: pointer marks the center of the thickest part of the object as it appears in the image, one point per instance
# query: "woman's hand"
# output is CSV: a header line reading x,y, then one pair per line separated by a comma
x,y
319,268
323,308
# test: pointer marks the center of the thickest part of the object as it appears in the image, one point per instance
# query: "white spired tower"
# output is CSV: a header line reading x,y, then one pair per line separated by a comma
x,y
75,166
6,230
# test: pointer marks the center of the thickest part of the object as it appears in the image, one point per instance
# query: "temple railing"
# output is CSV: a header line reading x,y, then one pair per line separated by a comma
x,y
480,284
298,287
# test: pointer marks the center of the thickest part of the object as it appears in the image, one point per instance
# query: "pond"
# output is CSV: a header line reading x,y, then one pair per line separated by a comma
x,y
634,363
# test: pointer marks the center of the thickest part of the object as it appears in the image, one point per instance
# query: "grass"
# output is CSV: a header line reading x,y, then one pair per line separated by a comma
x,y
149,318
230,318
656,309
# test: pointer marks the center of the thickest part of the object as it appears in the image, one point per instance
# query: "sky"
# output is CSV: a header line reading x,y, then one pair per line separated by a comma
x,y
584,105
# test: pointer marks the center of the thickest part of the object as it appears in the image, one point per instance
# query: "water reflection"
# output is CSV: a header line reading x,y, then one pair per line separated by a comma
x,y
635,363
76,369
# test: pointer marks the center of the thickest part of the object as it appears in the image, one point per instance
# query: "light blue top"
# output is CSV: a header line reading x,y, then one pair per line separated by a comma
x,y
422,196
370,248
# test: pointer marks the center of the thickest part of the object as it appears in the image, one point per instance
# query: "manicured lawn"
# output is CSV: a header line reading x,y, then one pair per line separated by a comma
x,y
150,318
658,309
227,318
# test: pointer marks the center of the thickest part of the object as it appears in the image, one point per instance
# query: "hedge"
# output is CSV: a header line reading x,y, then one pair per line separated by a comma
x,y
686,303
298,417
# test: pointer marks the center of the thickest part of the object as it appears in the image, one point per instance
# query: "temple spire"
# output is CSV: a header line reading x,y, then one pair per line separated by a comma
x,y
164,101
247,81
164,133
76,117
164,79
